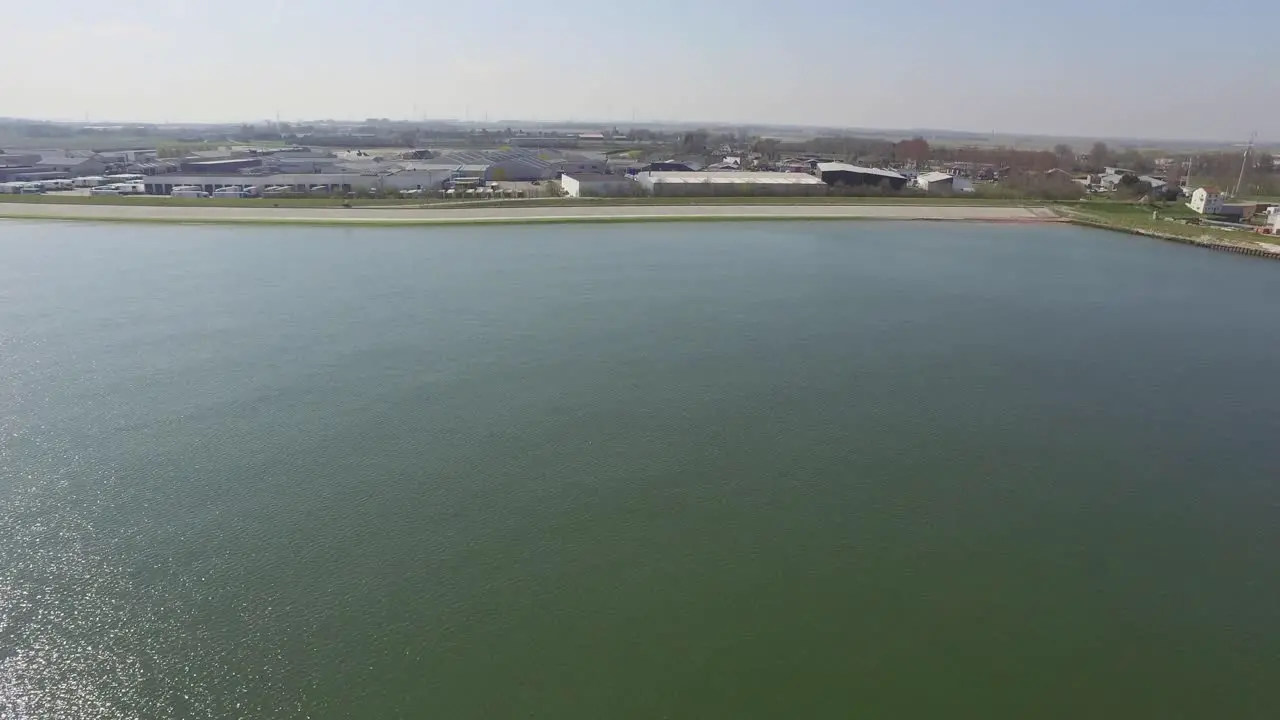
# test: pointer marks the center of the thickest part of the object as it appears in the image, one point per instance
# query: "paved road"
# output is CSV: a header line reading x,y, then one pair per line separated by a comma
x,y
513,214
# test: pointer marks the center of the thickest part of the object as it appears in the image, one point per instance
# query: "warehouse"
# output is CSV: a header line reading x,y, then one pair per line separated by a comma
x,y
518,164
598,185
74,165
743,184
836,173
330,183
936,182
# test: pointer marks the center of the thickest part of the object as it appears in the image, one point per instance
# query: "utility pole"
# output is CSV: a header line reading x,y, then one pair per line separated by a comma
x,y
1243,162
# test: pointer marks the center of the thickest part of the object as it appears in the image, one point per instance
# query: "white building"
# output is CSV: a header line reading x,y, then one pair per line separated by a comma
x,y
730,183
936,182
597,185
1206,201
1110,181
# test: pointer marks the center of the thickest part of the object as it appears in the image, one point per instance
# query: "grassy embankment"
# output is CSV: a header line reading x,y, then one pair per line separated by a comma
x,y
1134,218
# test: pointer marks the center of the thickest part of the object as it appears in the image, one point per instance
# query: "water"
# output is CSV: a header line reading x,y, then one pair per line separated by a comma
x,y
653,471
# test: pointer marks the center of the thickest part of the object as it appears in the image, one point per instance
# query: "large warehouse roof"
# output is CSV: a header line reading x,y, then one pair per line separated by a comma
x,y
731,178
827,167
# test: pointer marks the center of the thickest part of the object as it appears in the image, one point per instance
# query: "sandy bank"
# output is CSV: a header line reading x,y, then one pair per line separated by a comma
x,y
603,213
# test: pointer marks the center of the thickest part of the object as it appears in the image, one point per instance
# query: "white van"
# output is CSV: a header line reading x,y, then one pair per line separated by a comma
x,y
131,188
104,190
89,181
32,189
229,192
188,191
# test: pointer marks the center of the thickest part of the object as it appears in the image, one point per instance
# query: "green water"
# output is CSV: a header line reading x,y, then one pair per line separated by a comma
x,y
789,470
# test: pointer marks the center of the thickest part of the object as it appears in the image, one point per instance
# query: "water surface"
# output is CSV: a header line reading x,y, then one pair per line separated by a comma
x,y
676,471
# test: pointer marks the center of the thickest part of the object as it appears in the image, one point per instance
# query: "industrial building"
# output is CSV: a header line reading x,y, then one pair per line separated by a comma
x,y
48,165
837,173
516,164
73,165
936,182
742,183
597,185
327,183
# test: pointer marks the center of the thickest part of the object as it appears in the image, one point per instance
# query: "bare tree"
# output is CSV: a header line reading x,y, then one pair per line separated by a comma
x,y
1066,156
1100,155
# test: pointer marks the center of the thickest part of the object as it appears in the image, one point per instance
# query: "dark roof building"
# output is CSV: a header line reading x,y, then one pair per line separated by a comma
x,y
835,173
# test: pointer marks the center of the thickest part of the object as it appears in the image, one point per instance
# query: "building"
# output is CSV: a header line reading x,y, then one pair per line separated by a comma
x,y
597,185
1206,201
837,173
1110,181
398,179
221,166
729,183
517,164
74,165
936,182
1157,185
668,166
128,156
1238,211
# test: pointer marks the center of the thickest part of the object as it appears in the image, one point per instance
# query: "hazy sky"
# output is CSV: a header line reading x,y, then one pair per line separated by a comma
x,y
1172,69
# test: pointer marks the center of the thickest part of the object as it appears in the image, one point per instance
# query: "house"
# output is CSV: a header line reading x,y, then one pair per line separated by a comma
x,y
932,182
1110,181
1206,201
1156,183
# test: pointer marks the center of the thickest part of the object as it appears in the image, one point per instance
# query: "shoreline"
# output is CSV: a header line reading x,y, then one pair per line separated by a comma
x,y
388,217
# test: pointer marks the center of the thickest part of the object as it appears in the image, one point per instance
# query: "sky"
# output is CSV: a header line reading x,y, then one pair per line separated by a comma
x,y
1144,69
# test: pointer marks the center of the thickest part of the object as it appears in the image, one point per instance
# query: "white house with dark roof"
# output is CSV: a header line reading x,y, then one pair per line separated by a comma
x,y
1206,201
